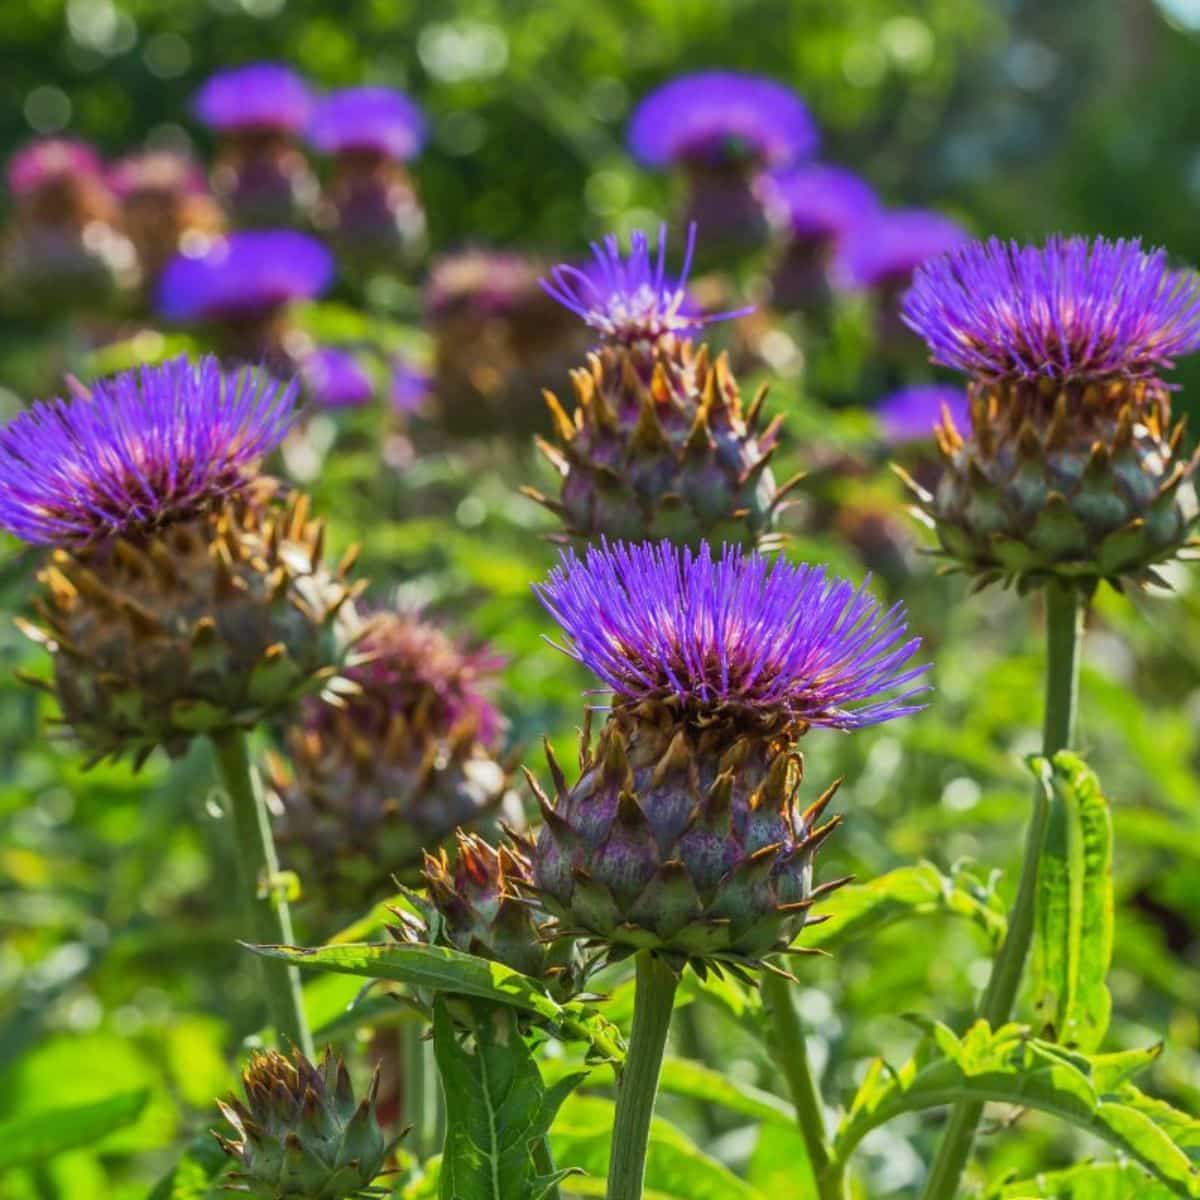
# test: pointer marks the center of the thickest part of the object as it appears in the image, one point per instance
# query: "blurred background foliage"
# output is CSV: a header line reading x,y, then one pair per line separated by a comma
x,y
1018,118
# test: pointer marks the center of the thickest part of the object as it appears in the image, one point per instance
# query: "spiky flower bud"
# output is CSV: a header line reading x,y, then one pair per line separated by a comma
x,y
185,594
300,1133
1071,467
659,443
480,904
683,833
396,766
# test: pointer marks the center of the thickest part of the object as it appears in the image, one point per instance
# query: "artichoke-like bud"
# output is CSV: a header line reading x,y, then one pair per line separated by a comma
x,y
185,595
659,443
480,904
300,1132
683,834
1070,467
394,768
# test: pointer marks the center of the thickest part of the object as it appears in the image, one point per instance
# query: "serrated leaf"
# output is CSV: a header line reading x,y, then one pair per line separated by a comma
x,y
1009,1066
1087,1181
1073,936
496,1106
34,1138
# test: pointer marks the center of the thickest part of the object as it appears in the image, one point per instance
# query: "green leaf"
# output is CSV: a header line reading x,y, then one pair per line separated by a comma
x,y
1073,938
191,1178
922,890
1088,1181
497,1106
1009,1066
683,1077
33,1138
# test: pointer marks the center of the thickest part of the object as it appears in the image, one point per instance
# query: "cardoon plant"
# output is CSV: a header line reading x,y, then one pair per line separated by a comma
x,y
370,206
1070,473
659,443
682,843
257,112
185,593
722,129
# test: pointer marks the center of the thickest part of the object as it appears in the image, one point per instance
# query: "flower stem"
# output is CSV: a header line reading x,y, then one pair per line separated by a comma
x,y
791,1054
270,919
1065,610
655,996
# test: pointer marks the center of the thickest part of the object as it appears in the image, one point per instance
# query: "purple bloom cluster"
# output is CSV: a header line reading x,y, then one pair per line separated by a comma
x,y
715,117
141,448
892,246
631,299
261,97
375,120
50,158
741,634
1073,309
815,200
912,413
246,273
335,378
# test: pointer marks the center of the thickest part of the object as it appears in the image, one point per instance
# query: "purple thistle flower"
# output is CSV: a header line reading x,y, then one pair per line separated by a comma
x,y
157,171
246,273
631,299
716,117
262,97
411,387
47,159
818,201
1073,309
741,635
142,448
887,250
911,414
335,378
374,120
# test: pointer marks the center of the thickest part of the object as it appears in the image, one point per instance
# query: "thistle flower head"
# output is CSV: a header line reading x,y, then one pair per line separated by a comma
x,y
157,171
479,280
912,414
631,299
144,448
49,159
335,378
815,200
411,386
888,249
261,97
373,120
1074,309
244,274
764,643
720,117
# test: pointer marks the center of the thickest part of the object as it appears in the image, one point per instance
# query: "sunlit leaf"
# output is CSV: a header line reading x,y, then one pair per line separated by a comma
x,y
39,1136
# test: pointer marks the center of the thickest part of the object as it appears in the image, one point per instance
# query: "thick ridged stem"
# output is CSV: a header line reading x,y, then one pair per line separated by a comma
x,y
791,1055
420,1095
654,999
258,868
1065,610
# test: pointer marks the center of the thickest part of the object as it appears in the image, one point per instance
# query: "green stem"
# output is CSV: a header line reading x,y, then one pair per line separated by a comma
x,y
420,1090
1065,610
791,1054
270,920
655,996
543,1161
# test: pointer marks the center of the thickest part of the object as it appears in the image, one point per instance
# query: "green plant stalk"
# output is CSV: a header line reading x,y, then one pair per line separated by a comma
x,y
791,1054
543,1161
270,918
1065,610
653,1001
420,1089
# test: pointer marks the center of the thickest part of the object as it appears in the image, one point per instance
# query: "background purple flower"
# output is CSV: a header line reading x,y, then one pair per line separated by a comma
x,y
815,200
244,274
721,116
742,634
411,387
911,414
335,378
139,449
159,171
1074,308
888,249
48,158
374,119
262,96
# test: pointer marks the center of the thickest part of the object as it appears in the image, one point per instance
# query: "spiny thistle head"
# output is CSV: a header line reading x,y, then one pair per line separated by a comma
x,y
912,414
682,834
885,252
141,450
816,201
1070,468
397,765
659,443
49,161
368,120
260,97
300,1132
162,171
